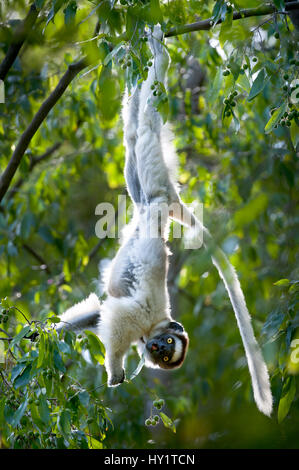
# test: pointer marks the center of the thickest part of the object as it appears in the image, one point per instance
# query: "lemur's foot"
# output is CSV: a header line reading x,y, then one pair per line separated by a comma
x,y
155,40
116,379
159,51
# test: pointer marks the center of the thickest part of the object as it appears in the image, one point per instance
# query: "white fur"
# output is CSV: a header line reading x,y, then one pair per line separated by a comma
x,y
178,350
86,307
257,367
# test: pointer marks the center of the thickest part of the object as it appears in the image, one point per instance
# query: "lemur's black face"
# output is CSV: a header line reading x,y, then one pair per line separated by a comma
x,y
162,348
168,349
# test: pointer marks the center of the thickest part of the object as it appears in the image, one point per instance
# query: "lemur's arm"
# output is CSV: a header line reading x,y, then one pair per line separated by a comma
x,y
130,119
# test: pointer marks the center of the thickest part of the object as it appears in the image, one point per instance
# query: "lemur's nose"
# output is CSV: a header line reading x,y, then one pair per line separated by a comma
x,y
154,347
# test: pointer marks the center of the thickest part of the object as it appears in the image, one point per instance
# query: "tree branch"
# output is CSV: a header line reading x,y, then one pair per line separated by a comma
x,y
45,155
39,117
37,257
33,163
237,15
20,36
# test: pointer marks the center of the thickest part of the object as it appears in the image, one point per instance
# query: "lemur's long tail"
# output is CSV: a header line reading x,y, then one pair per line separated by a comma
x,y
83,316
257,367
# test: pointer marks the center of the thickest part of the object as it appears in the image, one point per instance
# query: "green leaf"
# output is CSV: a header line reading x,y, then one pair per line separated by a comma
x,y
152,12
243,82
138,368
273,325
84,398
17,370
54,319
46,234
160,102
295,135
8,414
287,397
27,225
163,108
214,90
56,5
95,444
24,378
251,210
218,12
58,362
96,348
235,67
276,116
279,5
39,4
41,350
282,282
11,249
36,417
168,423
111,54
225,29
19,413
70,13
271,67
64,423
43,409
258,85
4,303
64,347
66,271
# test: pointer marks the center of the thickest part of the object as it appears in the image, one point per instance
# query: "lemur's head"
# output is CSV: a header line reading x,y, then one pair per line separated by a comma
x,y
168,348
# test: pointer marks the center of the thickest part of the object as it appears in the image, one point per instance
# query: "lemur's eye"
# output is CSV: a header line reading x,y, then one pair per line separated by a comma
x,y
169,340
165,358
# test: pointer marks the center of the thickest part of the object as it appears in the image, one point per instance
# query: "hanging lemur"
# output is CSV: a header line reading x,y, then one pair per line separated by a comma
x,y
137,308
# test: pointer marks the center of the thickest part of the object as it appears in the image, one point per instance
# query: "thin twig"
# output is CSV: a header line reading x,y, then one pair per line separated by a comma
x,y
23,314
4,380
34,161
5,332
37,257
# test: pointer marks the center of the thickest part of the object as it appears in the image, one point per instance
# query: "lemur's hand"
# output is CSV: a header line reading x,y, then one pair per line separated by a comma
x,y
155,40
158,49
116,379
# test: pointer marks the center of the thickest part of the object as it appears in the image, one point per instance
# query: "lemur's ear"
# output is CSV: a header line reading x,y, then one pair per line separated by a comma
x,y
173,325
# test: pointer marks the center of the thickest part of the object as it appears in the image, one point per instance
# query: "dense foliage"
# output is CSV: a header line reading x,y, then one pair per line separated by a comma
x,y
233,105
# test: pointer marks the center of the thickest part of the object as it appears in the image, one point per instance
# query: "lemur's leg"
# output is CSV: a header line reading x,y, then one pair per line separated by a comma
x,y
152,171
130,118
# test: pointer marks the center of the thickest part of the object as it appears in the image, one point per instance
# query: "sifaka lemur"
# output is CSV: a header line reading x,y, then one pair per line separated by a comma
x,y
137,308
